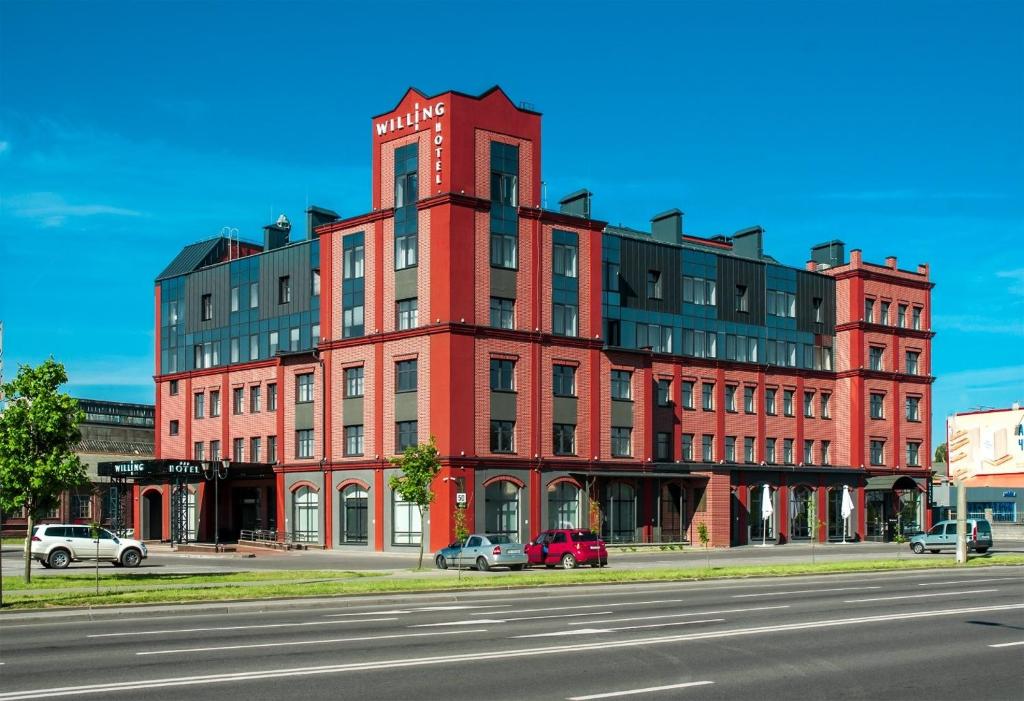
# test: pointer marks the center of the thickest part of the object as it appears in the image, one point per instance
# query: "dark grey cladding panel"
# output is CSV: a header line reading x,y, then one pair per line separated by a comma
x,y
292,261
733,272
406,406
563,410
352,411
212,281
503,406
405,283
808,287
503,283
638,257
304,415
622,413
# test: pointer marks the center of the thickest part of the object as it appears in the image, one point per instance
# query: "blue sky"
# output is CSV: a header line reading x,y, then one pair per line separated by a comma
x,y
128,130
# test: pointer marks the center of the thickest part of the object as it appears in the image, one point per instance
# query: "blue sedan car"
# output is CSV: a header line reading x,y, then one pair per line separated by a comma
x,y
483,552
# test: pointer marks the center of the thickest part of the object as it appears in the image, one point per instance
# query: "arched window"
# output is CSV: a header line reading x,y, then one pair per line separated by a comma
x,y
354,515
305,515
501,512
802,513
407,525
618,524
563,505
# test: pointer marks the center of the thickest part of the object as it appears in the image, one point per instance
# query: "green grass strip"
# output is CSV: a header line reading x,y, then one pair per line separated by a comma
x,y
120,578
332,583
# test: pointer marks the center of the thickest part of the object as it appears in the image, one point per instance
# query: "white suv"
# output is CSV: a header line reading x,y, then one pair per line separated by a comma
x,y
57,544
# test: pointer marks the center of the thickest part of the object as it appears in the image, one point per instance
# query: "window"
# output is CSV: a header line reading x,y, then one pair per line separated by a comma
x,y
353,440
274,342
730,398
406,250
564,381
654,336
306,515
197,405
730,448
913,453
502,313
808,452
781,303
621,442
304,388
254,295
352,321
315,282
214,450
304,443
408,523
688,447
699,291
687,394
700,344
238,400
501,436
787,451
564,318
564,439
742,305
234,350
809,405
272,449
254,449
819,310
748,399
877,452
653,284
354,382
503,251
502,375
254,399
406,314
238,450
293,339
405,376
197,450
901,315
787,402
748,449
916,316
825,449
912,358
662,440
877,405
769,401
172,427
215,402
769,450
284,289
884,309
272,396
354,262
405,435
172,388
826,411
206,305
234,299
207,354
869,310
565,257
254,347
662,392
707,396
875,357
707,448
505,188
621,380
406,187
913,406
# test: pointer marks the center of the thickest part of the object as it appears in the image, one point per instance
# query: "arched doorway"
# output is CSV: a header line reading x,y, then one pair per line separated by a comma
x,y
673,516
152,515
761,530
619,522
501,508
306,515
354,506
802,513
564,505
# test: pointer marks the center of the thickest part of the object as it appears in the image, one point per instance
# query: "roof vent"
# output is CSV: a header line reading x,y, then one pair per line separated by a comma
x,y
576,204
668,226
276,235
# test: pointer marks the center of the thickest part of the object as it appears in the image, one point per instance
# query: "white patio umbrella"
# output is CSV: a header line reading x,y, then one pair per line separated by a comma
x,y
766,511
847,508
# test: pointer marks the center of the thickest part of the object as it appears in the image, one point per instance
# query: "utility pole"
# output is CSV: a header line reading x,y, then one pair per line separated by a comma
x,y
961,522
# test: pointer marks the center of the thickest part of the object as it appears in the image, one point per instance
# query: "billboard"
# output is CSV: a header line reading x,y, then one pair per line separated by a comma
x,y
986,448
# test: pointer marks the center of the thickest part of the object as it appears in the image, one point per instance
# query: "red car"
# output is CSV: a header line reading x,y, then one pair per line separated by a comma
x,y
567,547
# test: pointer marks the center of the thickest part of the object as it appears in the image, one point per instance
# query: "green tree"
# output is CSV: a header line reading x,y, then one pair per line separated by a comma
x,y
38,433
420,465
705,538
940,453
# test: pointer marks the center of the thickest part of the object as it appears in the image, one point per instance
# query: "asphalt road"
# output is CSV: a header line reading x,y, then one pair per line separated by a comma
x,y
894,635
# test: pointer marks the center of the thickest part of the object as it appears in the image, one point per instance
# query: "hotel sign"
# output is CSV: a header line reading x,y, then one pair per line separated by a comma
x,y
152,469
412,121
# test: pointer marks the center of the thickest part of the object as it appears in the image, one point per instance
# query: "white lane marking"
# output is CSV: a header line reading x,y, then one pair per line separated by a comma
x,y
594,631
478,621
680,615
395,612
1019,642
631,692
800,591
921,596
306,642
284,672
588,606
262,625
968,581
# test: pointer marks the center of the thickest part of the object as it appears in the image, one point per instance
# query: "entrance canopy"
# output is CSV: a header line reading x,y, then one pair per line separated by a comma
x,y
183,470
888,482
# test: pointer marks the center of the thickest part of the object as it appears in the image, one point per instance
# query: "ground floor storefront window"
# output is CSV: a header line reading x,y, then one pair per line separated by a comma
x,y
802,513
563,505
501,509
407,523
618,524
354,515
306,515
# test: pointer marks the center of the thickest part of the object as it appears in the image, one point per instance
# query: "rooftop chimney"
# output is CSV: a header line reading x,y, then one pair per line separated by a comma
x,y
749,242
576,204
318,216
668,226
276,235
829,254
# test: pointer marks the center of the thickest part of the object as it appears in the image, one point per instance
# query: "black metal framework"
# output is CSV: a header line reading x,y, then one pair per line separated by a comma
x,y
117,501
179,511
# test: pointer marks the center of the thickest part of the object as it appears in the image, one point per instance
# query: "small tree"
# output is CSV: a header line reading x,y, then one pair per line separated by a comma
x,y
940,453
420,465
459,519
705,538
38,432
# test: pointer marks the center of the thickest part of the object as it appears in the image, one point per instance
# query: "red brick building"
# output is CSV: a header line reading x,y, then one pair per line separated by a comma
x,y
572,372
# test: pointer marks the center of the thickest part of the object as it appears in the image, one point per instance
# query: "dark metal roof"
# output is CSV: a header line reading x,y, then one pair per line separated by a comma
x,y
195,256
887,482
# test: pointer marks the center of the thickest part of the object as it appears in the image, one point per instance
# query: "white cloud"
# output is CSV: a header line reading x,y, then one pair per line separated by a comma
x,y
51,210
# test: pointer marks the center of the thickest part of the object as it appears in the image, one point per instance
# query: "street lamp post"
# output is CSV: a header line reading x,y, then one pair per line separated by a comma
x,y
216,472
